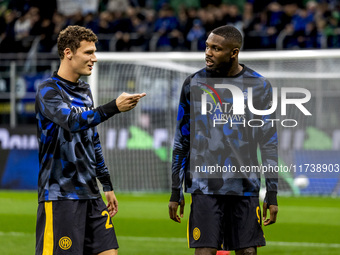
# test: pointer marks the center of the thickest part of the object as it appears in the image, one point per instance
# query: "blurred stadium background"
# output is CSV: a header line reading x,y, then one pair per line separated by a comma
x,y
152,46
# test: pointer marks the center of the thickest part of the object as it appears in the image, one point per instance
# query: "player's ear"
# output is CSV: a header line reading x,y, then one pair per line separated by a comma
x,y
68,53
234,52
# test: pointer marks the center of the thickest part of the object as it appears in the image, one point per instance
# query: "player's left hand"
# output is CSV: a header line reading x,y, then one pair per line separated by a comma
x,y
112,203
173,206
273,210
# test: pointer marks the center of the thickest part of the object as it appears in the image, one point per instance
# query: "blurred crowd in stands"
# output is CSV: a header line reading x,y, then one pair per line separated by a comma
x,y
178,25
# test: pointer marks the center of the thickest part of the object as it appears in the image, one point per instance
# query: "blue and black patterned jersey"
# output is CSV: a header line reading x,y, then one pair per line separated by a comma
x,y
215,149
70,154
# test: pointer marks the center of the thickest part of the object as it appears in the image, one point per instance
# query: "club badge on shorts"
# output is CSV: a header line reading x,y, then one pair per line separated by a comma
x,y
196,233
65,243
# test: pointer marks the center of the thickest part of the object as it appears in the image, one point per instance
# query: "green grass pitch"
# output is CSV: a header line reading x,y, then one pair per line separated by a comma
x,y
305,226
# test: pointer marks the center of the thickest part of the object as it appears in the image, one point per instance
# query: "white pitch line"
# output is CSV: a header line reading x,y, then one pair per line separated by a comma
x,y
305,244
184,240
16,234
272,243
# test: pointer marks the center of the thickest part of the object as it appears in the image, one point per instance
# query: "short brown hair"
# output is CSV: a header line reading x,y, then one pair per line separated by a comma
x,y
71,37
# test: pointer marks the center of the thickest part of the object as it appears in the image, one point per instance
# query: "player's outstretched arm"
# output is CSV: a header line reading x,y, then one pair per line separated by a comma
x,y
173,206
112,202
126,102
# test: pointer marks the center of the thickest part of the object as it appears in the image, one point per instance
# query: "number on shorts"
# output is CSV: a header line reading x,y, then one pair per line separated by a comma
x,y
108,223
258,214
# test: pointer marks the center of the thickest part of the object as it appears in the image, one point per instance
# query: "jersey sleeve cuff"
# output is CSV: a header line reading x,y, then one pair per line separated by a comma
x,y
109,109
175,195
106,183
271,198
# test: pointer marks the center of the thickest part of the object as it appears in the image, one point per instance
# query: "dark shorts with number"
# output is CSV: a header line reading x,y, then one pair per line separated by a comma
x,y
225,222
74,227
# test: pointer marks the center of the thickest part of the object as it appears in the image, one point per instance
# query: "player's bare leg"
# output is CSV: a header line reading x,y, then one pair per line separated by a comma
x,y
109,252
205,251
247,251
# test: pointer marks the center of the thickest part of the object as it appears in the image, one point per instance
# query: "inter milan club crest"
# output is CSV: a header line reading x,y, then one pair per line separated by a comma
x,y
196,233
65,243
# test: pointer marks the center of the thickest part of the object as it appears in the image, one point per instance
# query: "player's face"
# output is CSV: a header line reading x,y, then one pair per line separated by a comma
x,y
218,53
84,58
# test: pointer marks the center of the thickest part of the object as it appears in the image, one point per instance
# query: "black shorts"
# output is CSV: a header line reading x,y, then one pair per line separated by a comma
x,y
225,222
74,227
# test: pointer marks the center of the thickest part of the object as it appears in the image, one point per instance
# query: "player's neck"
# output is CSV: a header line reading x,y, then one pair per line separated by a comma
x,y
67,73
235,69
230,71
